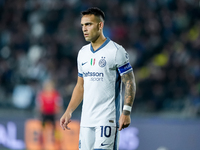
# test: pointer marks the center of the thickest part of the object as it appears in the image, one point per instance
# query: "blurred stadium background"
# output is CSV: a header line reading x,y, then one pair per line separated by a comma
x,y
39,39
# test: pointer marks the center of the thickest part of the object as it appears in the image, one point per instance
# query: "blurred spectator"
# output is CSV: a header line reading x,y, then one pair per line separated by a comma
x,y
23,96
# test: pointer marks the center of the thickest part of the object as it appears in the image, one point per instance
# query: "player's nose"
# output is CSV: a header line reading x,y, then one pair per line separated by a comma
x,y
84,29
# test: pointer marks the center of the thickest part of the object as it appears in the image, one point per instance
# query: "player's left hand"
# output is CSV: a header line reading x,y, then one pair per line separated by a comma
x,y
124,121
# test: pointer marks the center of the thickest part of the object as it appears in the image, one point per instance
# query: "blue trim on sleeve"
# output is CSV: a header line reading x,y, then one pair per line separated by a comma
x,y
125,68
104,44
80,74
117,97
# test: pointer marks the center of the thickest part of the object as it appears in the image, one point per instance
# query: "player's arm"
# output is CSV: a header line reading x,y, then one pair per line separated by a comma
x,y
130,88
77,97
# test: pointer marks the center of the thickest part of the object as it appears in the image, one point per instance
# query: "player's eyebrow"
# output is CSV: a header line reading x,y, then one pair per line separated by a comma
x,y
87,23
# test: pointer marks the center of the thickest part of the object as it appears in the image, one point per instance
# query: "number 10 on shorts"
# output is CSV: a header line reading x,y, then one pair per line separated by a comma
x,y
105,131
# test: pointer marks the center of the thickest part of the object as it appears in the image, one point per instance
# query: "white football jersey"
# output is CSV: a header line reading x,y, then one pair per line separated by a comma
x,y
101,71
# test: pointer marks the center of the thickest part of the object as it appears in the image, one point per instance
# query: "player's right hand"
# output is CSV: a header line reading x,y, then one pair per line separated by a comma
x,y
124,121
65,120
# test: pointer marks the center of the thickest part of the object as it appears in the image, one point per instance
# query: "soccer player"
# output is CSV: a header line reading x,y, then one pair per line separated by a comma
x,y
102,65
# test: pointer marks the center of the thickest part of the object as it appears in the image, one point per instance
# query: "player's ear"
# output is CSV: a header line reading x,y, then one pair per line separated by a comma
x,y
101,24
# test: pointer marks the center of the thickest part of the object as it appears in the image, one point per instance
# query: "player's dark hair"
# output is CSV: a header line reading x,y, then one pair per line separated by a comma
x,y
94,11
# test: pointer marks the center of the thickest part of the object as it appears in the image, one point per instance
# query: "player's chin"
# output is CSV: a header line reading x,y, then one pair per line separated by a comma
x,y
87,39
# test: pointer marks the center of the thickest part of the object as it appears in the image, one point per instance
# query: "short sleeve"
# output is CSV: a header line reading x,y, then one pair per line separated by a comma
x,y
80,73
122,61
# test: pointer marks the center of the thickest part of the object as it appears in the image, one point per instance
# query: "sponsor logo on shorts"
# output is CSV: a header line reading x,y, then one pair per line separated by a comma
x,y
102,144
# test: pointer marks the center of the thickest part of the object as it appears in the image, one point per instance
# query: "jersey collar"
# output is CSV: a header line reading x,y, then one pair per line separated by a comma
x,y
104,44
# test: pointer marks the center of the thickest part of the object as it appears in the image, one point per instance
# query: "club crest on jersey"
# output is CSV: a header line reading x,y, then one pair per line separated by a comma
x,y
102,62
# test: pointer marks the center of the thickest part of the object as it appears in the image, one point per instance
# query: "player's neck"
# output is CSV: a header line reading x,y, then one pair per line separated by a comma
x,y
98,42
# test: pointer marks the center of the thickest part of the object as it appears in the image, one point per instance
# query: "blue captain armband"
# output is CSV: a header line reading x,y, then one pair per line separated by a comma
x,y
125,69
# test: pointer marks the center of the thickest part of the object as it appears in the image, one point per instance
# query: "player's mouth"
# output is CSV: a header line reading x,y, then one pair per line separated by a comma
x,y
86,35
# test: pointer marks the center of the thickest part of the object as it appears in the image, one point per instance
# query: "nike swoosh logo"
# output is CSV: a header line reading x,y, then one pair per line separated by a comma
x,y
104,144
84,63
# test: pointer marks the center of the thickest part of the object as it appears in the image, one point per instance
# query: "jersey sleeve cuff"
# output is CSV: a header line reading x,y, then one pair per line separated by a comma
x,y
80,74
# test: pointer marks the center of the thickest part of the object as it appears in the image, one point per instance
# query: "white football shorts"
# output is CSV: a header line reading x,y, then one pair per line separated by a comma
x,y
99,138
